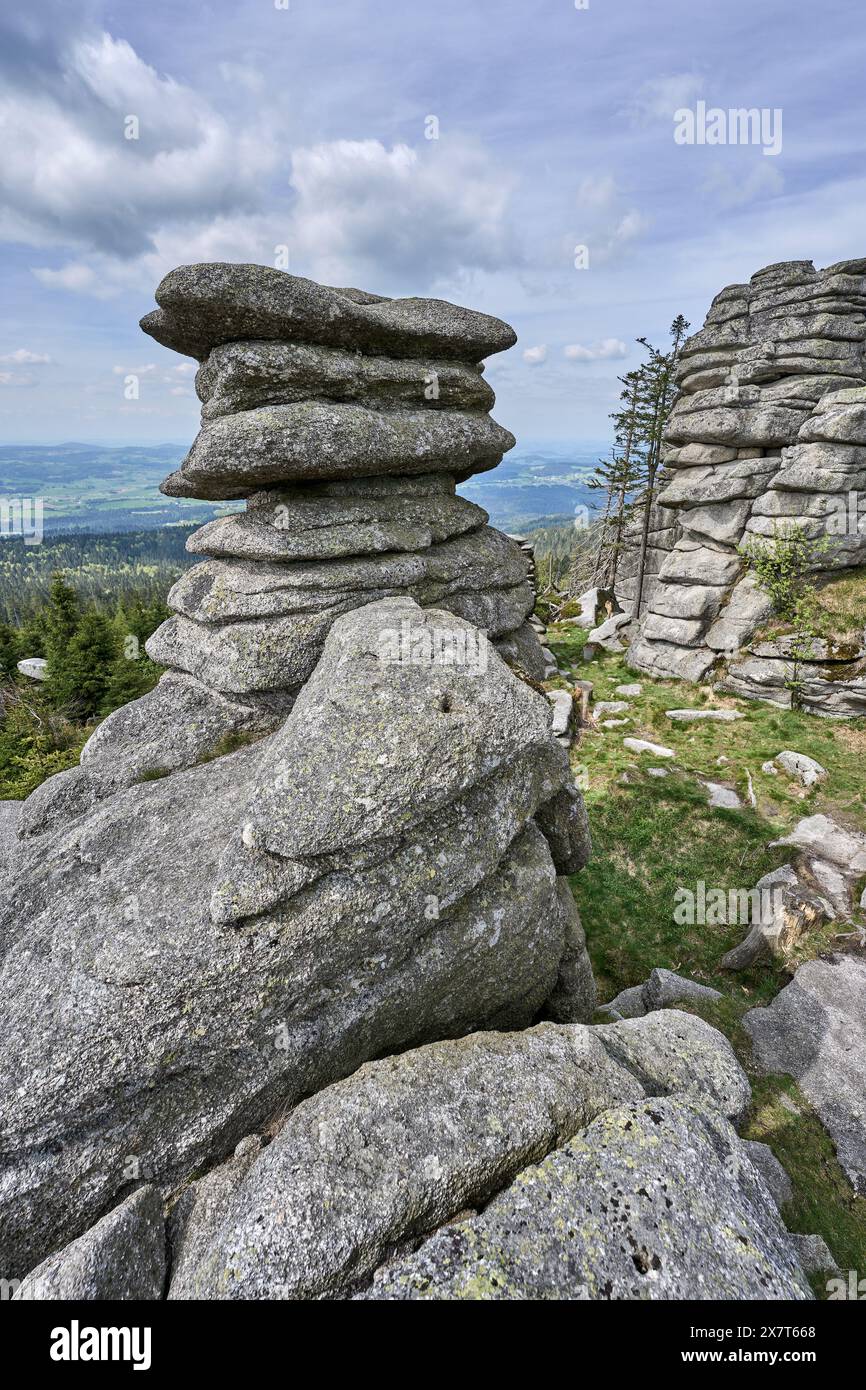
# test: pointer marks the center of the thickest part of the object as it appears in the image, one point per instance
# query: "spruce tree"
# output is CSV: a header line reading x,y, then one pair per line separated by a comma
x,y
62,615
128,679
10,652
60,623
80,684
658,395
619,477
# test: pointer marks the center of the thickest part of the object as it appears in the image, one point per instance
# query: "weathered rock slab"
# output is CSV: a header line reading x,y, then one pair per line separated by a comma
x,y
407,1143
122,1257
617,1213
815,1030
243,376
311,441
204,305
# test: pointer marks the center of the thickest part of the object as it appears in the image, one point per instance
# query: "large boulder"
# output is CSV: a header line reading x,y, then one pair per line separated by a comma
x,y
179,723
656,1199
815,1030
384,1157
203,949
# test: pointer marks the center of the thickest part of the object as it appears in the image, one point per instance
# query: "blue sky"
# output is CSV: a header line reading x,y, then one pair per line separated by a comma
x,y
306,127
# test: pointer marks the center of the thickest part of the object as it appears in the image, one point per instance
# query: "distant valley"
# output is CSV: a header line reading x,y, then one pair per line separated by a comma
x,y
86,487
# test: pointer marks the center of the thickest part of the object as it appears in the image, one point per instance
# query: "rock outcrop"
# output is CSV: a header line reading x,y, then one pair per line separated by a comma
x,y
292,972
409,1142
201,949
769,431
617,1213
662,990
557,1162
194,938
343,422
814,1029
792,901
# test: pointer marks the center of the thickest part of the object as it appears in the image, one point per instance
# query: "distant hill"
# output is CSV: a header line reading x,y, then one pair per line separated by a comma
x,y
536,485
90,487
98,488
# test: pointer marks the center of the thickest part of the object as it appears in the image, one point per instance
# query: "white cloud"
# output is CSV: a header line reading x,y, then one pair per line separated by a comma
x,y
72,178
422,214
609,225
242,75
605,350
135,371
535,355
237,238
75,276
23,356
198,185
659,97
363,214
732,190
17,379
597,191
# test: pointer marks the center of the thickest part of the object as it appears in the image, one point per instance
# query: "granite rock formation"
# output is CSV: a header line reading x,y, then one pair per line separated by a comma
x,y
556,1162
381,864
814,1030
342,422
243,986
769,431
641,1226
198,951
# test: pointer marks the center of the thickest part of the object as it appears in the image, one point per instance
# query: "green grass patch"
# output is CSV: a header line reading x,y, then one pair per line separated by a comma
x,y
154,774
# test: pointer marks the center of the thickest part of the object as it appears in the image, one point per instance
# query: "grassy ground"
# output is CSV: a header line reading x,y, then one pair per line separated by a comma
x,y
652,836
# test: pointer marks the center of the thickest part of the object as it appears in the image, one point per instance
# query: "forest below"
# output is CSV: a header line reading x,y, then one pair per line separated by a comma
x,y
86,605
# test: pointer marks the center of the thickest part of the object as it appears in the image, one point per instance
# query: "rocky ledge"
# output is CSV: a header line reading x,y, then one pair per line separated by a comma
x,y
768,432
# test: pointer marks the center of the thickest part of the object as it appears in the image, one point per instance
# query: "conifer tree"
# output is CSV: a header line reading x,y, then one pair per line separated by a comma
x,y
59,624
619,477
61,616
80,683
128,679
10,652
657,398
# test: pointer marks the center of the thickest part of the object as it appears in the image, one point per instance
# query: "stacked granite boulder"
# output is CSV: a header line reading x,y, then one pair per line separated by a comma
x,y
769,431
343,422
